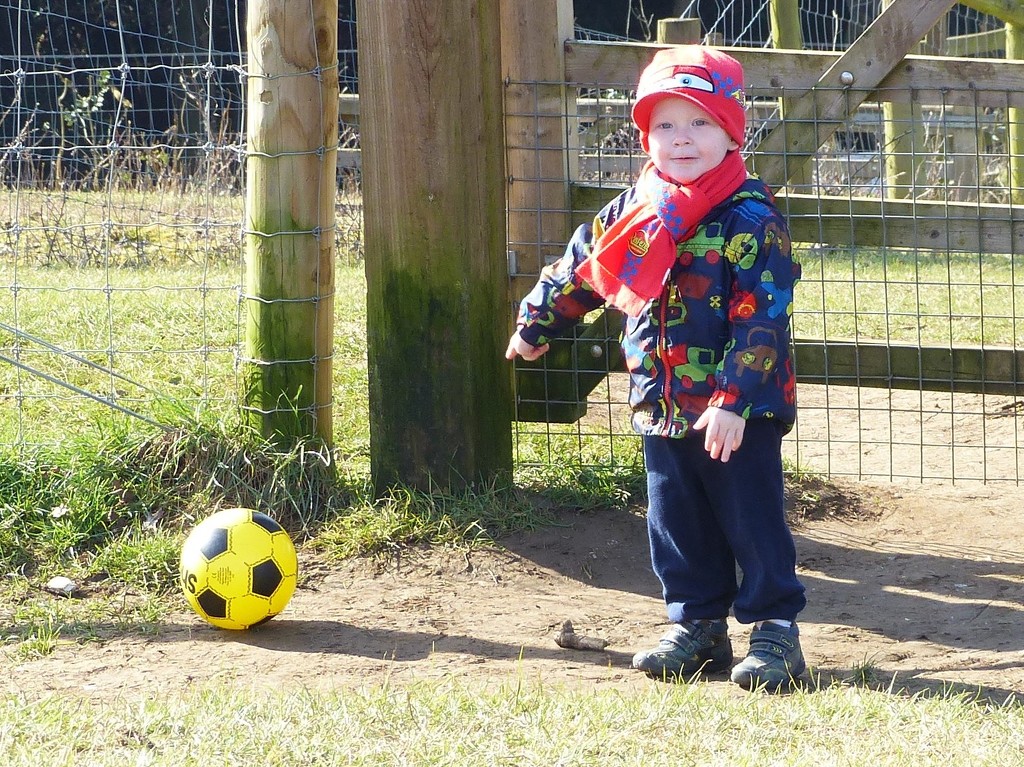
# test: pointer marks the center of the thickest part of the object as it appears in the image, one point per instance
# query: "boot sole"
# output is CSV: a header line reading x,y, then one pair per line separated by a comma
x,y
709,667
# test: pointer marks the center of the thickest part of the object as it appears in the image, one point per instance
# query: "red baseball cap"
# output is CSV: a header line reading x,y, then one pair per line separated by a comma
x,y
709,78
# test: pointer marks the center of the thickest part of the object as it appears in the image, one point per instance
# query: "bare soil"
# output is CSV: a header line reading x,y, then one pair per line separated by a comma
x,y
911,589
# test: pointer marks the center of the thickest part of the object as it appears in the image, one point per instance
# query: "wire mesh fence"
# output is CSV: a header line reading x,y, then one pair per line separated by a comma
x,y
122,161
907,322
827,25
121,222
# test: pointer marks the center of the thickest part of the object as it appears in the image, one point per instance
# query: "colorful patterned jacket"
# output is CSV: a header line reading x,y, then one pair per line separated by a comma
x,y
718,334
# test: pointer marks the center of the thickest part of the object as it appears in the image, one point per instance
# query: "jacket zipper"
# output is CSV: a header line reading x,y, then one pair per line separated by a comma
x,y
666,395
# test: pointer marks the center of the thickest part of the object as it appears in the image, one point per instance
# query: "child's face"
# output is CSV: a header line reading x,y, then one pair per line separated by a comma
x,y
685,141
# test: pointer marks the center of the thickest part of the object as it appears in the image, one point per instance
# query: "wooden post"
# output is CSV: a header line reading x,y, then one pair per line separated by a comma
x,y
679,31
289,233
902,147
784,16
1015,118
903,138
434,219
539,110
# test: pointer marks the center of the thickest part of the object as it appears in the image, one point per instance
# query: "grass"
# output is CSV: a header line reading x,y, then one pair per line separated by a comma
x,y
902,296
113,514
521,723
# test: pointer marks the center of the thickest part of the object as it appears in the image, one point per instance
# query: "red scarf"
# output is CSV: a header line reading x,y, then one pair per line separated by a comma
x,y
631,260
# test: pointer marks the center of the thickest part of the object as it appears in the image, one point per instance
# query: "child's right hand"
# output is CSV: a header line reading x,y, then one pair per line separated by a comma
x,y
517,347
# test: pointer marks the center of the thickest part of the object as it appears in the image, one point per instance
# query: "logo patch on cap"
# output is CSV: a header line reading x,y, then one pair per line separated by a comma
x,y
681,79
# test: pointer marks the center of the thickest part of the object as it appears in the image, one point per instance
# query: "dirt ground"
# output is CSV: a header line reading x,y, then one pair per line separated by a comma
x,y
913,589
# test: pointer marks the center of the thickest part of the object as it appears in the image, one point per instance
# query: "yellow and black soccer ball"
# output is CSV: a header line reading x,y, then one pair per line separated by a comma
x,y
238,568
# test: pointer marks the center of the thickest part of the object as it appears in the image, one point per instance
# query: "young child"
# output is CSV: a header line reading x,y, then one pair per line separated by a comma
x,y
698,258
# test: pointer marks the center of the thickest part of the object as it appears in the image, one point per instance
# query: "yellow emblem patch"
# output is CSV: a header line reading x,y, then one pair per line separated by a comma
x,y
638,244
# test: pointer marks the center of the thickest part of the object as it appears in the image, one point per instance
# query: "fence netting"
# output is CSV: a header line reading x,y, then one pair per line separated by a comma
x,y
122,160
122,154
906,222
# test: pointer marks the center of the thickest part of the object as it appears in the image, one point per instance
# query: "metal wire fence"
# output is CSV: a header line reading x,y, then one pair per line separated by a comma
x,y
122,155
825,25
907,323
121,161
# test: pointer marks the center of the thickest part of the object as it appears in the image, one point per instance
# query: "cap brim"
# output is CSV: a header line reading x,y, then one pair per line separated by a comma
x,y
643,107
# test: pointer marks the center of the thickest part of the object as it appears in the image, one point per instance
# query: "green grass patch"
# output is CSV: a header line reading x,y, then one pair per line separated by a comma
x,y
909,297
520,723
65,504
111,515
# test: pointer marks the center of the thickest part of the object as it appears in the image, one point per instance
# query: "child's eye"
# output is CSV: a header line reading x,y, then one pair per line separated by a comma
x,y
664,126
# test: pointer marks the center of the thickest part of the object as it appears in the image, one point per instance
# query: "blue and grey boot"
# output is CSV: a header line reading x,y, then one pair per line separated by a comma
x,y
774,660
687,649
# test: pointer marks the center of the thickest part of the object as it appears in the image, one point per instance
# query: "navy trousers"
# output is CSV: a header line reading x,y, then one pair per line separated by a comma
x,y
706,517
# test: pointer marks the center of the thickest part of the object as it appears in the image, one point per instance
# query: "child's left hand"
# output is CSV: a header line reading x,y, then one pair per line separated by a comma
x,y
724,432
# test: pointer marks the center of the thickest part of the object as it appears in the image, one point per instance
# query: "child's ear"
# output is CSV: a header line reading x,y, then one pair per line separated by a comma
x,y
733,144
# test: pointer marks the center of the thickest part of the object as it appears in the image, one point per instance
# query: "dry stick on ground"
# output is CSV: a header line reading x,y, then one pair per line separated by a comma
x,y
570,640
